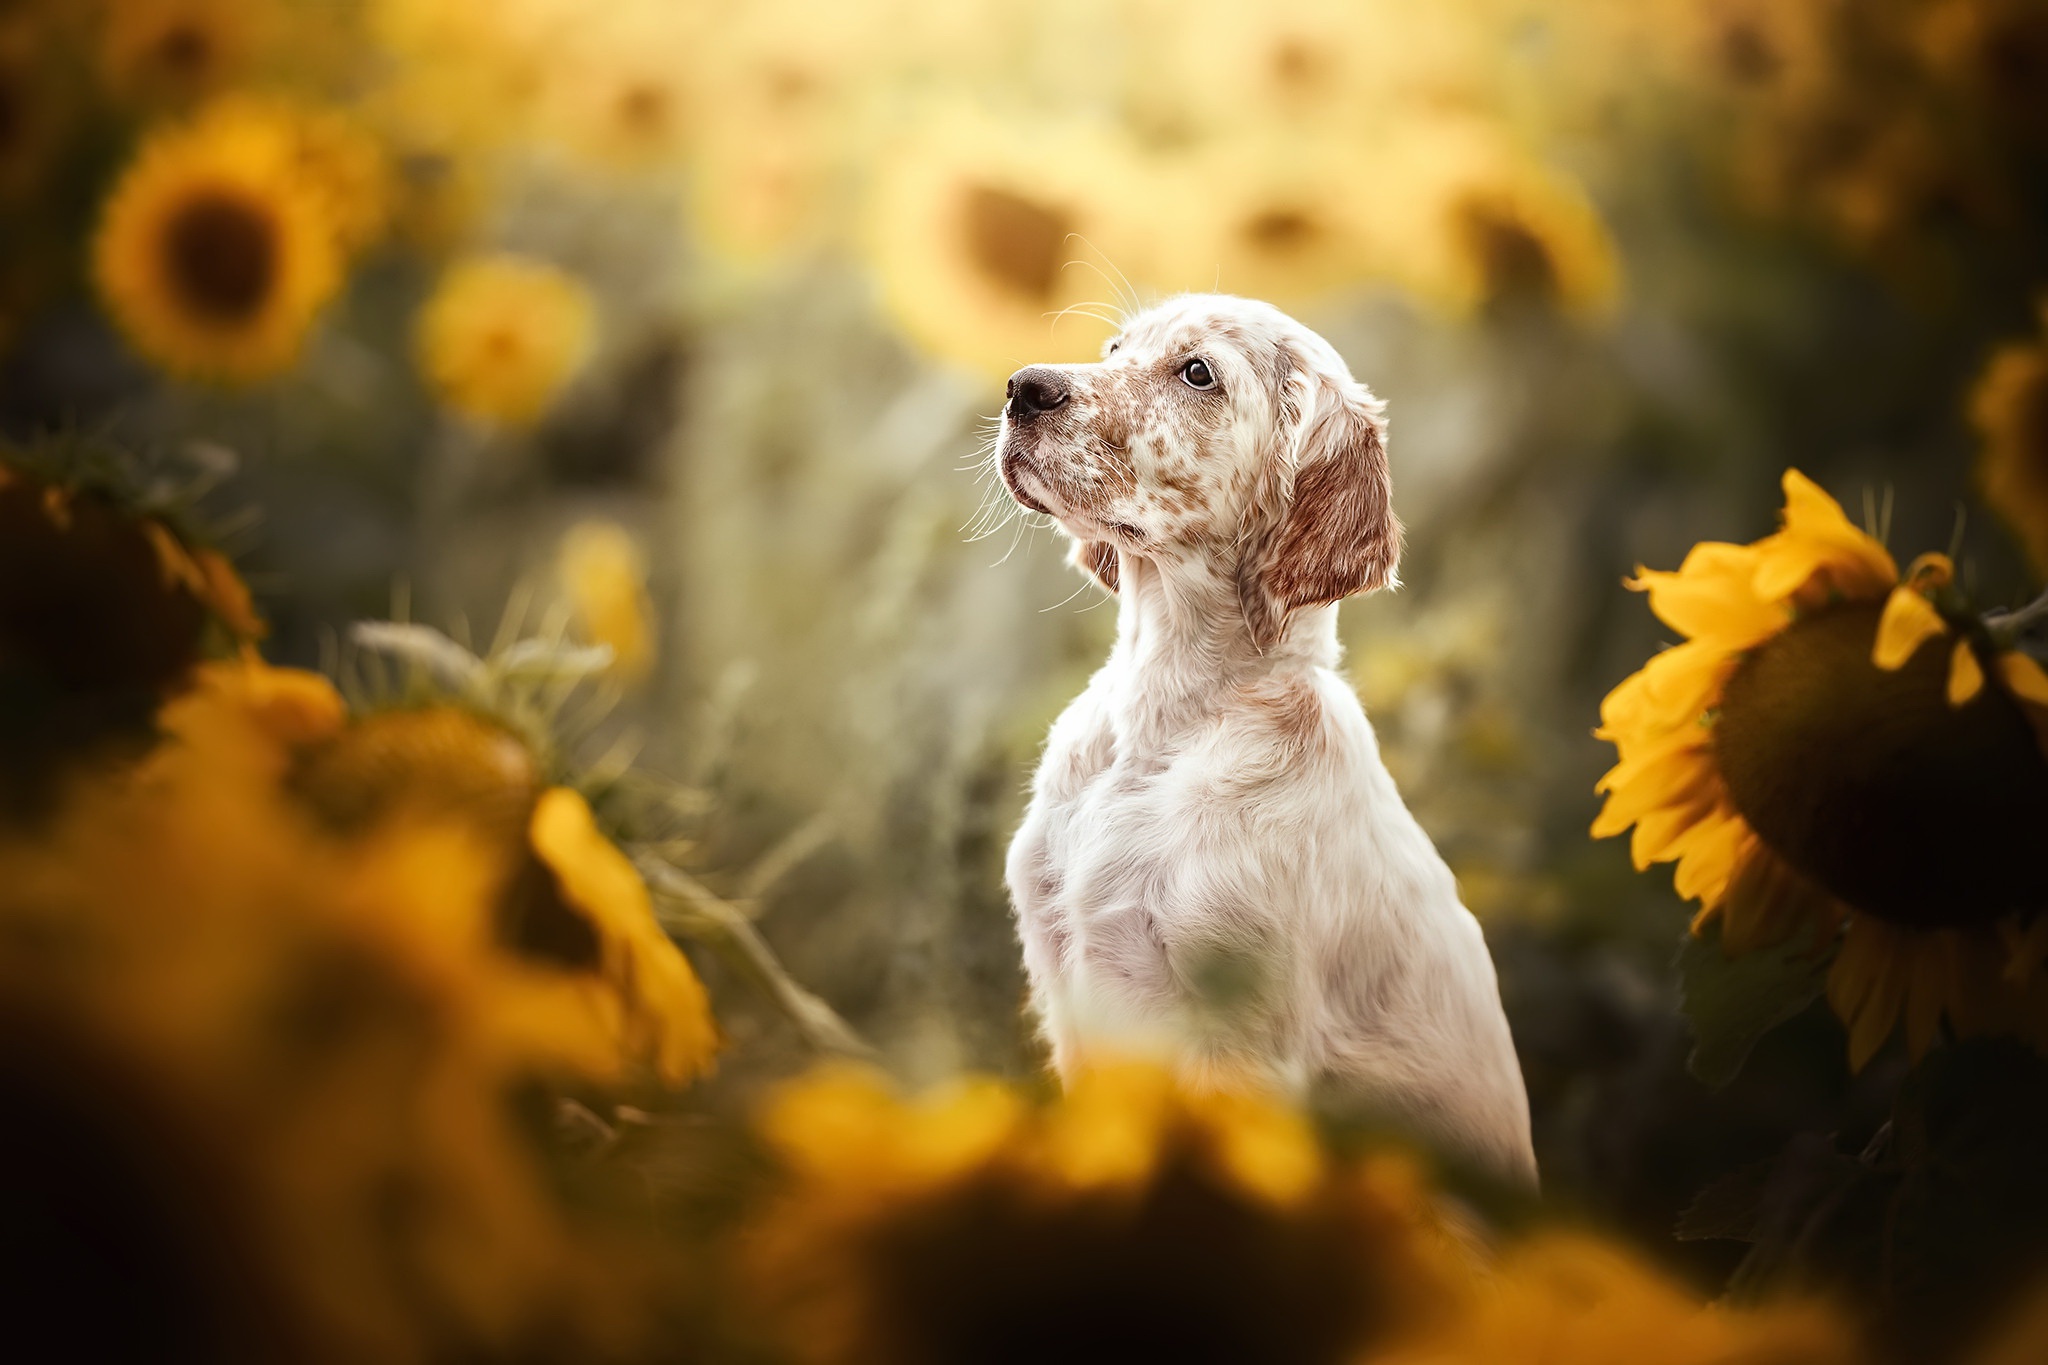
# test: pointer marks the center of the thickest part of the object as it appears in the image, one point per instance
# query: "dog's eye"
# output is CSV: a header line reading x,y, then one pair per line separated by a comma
x,y
1195,374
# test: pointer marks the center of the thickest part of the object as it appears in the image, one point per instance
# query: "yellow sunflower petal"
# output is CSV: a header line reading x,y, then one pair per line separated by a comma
x,y
1709,855
1866,987
1909,621
1675,687
1965,675
2024,678
1658,834
1710,596
670,1013
1819,538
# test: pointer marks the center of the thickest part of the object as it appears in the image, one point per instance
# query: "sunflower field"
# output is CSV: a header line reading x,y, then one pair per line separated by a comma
x,y
516,675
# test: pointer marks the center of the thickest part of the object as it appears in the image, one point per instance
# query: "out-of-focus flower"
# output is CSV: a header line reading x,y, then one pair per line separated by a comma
x,y
604,576
1211,67
567,896
1562,1298
502,336
104,613
1276,222
1128,1217
1478,222
622,95
175,51
218,249
2009,408
302,1060
470,76
781,86
979,231
1816,757
327,147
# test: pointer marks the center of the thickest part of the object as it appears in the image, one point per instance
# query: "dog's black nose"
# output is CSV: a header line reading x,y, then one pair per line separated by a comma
x,y
1036,389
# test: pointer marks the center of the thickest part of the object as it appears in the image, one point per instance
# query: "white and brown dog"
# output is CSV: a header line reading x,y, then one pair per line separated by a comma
x,y
1216,867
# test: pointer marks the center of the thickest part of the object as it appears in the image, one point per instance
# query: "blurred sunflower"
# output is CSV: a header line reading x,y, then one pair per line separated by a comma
x,y
326,147
176,51
1835,748
105,611
604,575
1278,222
501,337
292,1073
2009,408
567,897
977,230
783,84
624,100
1569,1298
218,249
1480,223
1127,1220
1205,68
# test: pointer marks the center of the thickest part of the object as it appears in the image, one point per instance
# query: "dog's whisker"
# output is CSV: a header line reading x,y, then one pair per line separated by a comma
x,y
1128,301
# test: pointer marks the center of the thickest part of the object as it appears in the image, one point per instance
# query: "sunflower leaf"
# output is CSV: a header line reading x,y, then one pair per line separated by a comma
x,y
1734,1001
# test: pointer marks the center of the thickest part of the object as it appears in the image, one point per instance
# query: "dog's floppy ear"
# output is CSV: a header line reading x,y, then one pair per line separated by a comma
x,y
1329,528
1097,559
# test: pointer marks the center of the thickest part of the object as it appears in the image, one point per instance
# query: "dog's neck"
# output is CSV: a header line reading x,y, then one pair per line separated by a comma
x,y
1183,645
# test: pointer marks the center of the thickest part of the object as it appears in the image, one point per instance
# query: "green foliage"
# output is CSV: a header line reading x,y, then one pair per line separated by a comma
x,y
1734,1001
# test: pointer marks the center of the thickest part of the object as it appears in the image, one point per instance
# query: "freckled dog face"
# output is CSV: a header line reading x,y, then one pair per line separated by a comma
x,y
1158,443
1212,427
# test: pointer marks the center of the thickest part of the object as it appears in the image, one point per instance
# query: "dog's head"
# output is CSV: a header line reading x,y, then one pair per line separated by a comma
x,y
1216,427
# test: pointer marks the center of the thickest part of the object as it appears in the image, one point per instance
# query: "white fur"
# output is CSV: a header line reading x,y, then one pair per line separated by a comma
x,y
1216,867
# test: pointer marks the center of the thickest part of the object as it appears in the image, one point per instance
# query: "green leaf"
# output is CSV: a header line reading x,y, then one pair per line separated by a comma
x,y
1734,1001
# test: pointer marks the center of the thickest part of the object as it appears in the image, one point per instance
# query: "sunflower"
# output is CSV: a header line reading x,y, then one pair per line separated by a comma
x,y
1206,68
991,240
1479,222
623,99
502,336
326,147
567,897
1128,1218
292,1069
217,250
1287,222
176,51
105,611
1562,1297
1837,749
604,574
2009,408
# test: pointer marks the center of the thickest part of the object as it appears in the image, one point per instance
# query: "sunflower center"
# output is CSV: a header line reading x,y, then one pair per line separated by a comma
x,y
1746,54
1297,66
1281,231
1871,785
221,255
1514,262
185,50
644,107
1014,241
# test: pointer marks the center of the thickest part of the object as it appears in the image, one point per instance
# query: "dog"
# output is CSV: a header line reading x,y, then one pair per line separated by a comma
x,y
1215,868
